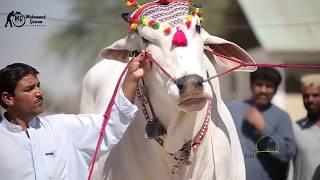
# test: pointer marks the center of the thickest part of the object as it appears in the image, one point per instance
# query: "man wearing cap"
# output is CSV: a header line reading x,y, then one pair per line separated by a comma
x,y
307,130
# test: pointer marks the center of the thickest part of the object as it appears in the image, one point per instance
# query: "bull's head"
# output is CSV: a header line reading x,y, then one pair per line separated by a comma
x,y
175,39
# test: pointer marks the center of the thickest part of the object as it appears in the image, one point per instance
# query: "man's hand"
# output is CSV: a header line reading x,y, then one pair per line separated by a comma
x,y
255,118
137,68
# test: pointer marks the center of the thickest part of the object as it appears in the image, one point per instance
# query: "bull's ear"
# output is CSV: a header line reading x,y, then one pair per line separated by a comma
x,y
228,49
120,49
126,16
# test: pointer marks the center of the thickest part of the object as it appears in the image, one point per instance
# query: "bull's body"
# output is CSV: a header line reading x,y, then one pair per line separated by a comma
x,y
219,156
138,158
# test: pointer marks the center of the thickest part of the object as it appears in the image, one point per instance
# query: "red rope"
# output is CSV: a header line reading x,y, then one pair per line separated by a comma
x,y
284,66
245,64
241,64
160,67
105,122
223,73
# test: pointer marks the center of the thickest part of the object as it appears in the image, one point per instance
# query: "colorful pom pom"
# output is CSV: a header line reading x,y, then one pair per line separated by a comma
x,y
188,24
144,21
179,38
197,10
156,25
151,22
189,18
133,26
130,3
166,29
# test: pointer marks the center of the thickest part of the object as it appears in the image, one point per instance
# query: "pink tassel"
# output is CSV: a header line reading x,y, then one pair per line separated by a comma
x,y
179,38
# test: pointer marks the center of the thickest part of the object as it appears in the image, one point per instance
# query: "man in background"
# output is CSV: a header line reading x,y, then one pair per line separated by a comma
x,y
265,131
307,131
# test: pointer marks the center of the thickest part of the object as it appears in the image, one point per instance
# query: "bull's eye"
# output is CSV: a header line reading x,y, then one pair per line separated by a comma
x,y
198,28
144,40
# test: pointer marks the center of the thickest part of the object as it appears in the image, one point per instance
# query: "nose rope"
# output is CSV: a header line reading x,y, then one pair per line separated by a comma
x,y
245,64
223,73
236,60
160,67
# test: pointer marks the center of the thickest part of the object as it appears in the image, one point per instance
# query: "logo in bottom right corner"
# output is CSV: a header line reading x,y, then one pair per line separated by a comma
x,y
267,144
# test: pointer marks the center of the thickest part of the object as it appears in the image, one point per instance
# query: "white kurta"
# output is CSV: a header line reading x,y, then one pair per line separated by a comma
x,y
308,148
59,146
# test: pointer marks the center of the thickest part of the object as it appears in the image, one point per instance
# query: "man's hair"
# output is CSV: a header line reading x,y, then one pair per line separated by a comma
x,y
11,75
311,80
266,74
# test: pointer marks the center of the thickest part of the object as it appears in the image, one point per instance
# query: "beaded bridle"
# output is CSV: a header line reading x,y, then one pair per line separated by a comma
x,y
156,131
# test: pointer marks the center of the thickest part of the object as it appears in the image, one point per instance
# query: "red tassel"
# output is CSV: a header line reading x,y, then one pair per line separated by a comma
x,y
179,38
188,24
151,22
165,1
167,30
130,3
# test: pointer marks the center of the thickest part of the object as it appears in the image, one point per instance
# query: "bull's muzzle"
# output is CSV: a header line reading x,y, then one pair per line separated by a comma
x,y
189,83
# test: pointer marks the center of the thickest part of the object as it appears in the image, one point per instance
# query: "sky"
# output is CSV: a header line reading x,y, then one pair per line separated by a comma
x,y
27,44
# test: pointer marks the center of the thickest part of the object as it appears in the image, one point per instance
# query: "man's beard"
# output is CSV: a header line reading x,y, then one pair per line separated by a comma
x,y
314,115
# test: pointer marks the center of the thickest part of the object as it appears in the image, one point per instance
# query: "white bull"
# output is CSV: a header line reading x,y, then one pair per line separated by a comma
x,y
181,109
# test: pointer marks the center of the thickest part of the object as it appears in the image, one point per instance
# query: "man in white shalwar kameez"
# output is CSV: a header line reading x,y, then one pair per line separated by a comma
x,y
56,146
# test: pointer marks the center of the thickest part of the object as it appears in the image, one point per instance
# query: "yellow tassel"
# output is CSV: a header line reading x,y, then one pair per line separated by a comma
x,y
133,26
166,28
189,18
130,3
144,21
197,10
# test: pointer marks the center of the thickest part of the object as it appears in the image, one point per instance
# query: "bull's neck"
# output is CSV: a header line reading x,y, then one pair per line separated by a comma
x,y
181,126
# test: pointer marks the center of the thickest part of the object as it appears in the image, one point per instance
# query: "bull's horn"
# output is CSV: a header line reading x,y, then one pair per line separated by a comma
x,y
126,17
197,5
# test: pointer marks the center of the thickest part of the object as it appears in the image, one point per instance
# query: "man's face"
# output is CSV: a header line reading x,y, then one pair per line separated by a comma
x,y
262,92
311,99
28,97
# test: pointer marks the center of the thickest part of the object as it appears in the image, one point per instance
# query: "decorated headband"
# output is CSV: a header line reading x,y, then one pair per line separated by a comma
x,y
165,15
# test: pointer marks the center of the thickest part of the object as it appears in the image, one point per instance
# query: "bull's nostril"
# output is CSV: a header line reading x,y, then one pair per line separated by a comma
x,y
179,85
200,81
